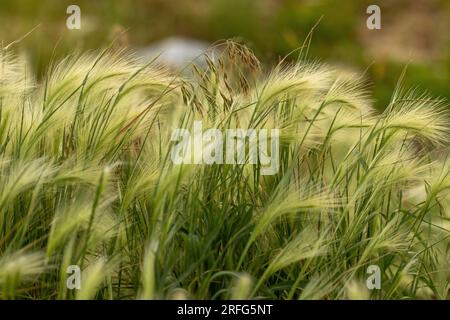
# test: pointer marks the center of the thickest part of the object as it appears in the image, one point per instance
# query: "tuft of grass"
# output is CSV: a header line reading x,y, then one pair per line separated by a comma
x,y
86,179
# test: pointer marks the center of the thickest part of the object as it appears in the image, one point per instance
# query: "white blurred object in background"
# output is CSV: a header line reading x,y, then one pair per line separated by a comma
x,y
177,52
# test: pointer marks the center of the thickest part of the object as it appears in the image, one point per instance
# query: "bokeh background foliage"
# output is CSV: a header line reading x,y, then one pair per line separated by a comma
x,y
414,33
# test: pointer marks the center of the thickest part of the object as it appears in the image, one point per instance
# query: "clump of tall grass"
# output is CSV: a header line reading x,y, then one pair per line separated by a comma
x,y
86,179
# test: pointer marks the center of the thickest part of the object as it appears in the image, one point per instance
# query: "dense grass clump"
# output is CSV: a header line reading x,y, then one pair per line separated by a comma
x,y
86,179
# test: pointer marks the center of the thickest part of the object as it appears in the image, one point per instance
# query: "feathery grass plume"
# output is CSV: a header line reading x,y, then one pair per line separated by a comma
x,y
91,279
18,177
286,201
18,268
318,287
357,290
307,245
303,79
68,222
439,180
289,201
14,80
242,287
179,294
422,117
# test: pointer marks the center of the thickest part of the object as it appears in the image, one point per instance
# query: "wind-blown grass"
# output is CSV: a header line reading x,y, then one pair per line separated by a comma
x,y
86,179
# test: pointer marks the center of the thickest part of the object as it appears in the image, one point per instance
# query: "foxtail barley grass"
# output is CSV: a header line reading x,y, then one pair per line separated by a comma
x,y
86,179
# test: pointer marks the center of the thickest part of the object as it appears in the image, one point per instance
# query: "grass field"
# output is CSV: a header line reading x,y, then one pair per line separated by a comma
x,y
86,179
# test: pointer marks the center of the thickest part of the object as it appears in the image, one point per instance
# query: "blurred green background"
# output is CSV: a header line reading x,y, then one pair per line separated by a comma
x,y
413,33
